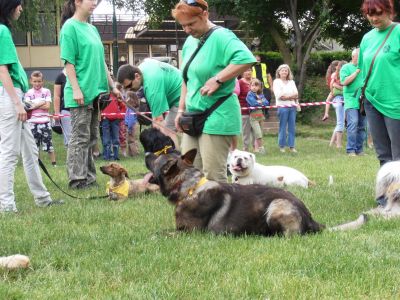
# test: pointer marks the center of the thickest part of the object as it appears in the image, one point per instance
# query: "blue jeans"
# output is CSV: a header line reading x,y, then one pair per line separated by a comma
x,y
287,119
355,130
110,131
339,110
385,134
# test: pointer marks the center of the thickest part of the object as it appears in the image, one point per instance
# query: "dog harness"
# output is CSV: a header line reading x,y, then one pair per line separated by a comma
x,y
202,181
162,151
122,189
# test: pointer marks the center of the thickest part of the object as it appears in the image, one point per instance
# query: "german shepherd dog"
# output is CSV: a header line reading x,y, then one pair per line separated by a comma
x,y
202,204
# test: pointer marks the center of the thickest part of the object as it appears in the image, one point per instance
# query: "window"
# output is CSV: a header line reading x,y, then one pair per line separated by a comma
x,y
140,52
123,54
20,38
107,55
47,32
159,50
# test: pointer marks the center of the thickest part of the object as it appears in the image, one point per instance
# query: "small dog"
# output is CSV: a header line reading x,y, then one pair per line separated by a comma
x,y
119,188
228,208
14,262
387,191
245,170
153,140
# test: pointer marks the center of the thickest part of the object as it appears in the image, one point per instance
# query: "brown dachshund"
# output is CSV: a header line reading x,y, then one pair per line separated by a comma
x,y
120,188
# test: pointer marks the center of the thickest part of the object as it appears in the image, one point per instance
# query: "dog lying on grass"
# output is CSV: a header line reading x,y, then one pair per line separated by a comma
x,y
153,140
120,188
14,262
245,170
228,208
387,191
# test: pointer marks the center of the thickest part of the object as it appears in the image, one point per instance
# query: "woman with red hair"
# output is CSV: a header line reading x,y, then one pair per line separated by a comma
x,y
383,91
210,76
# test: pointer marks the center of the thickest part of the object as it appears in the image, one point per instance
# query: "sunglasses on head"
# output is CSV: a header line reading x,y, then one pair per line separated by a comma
x,y
374,12
195,3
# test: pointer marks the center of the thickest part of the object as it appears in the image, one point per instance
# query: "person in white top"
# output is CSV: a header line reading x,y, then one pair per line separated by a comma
x,y
286,93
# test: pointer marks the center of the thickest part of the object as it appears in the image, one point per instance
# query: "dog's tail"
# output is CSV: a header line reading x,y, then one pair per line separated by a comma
x,y
311,183
361,220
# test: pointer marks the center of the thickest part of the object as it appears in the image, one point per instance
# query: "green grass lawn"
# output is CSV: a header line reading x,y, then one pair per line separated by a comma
x,y
95,249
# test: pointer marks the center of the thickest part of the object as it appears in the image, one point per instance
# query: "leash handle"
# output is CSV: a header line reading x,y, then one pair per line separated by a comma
x,y
43,167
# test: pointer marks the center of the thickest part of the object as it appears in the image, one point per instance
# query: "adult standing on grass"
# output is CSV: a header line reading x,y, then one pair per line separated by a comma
x,y
383,91
87,76
211,75
286,94
351,80
16,135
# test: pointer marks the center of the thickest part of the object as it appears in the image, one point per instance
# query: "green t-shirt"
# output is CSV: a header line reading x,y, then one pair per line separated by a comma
x,y
383,89
351,91
161,84
9,57
221,49
81,46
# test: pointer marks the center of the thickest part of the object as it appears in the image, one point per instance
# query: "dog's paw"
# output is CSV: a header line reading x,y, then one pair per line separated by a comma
x,y
113,196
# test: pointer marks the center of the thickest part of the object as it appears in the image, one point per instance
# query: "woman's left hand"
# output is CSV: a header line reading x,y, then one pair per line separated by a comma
x,y
209,87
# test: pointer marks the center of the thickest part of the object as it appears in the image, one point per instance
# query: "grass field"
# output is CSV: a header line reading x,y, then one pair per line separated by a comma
x,y
95,249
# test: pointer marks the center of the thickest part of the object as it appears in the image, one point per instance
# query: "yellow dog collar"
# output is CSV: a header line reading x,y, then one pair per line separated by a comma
x,y
122,189
163,150
202,181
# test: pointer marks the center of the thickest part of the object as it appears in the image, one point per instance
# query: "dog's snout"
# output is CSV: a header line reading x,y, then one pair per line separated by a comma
x,y
239,160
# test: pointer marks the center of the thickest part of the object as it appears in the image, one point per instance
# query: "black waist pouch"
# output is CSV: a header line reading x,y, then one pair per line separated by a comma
x,y
192,123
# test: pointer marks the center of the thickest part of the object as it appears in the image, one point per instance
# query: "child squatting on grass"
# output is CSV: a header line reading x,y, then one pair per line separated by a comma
x,y
39,98
255,98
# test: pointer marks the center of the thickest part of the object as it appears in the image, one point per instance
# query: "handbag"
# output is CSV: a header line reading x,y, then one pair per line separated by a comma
x,y
362,97
192,123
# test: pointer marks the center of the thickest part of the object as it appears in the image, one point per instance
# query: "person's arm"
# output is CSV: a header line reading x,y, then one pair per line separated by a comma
x,y
251,100
349,79
57,100
7,83
182,106
229,72
76,90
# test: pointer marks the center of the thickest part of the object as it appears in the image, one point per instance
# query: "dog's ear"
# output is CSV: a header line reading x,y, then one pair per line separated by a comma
x,y
125,172
169,166
189,157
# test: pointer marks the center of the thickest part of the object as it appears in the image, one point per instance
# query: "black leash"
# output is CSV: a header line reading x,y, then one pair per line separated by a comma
x,y
41,164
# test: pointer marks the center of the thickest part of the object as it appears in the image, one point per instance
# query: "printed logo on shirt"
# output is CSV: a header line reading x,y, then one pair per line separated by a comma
x,y
386,49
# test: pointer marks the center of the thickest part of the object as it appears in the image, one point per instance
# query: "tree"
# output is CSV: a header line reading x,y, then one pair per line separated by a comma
x,y
296,25
35,12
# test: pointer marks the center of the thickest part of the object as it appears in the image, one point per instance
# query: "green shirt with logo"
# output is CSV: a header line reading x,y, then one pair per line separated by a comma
x,y
351,91
81,46
161,84
383,89
9,58
220,49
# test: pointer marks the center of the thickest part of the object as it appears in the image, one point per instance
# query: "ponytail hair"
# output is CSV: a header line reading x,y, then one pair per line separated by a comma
x,y
68,11
7,7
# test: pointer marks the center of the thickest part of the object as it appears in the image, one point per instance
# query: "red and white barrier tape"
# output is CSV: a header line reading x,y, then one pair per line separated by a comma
x,y
243,108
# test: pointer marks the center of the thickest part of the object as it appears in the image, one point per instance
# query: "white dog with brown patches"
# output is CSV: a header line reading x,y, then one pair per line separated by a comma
x,y
245,170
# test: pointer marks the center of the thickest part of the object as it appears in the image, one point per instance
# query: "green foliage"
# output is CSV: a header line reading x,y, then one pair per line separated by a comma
x,y
104,250
35,12
315,90
319,61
